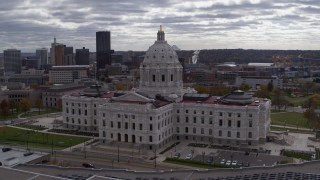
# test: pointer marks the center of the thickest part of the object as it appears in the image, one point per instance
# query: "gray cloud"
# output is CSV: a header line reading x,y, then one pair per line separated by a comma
x,y
190,24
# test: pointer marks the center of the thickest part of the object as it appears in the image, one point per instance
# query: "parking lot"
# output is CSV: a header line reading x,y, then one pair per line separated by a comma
x,y
15,156
219,156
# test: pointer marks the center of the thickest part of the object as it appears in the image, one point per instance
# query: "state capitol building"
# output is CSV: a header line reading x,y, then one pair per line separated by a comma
x,y
162,111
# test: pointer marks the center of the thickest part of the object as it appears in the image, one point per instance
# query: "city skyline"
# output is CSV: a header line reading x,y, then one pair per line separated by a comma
x,y
190,25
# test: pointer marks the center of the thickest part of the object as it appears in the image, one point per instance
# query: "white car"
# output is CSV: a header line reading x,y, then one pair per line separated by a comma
x,y
234,163
223,161
228,163
189,156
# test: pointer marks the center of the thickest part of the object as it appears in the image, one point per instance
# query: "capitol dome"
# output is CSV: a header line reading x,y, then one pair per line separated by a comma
x,y
160,51
161,71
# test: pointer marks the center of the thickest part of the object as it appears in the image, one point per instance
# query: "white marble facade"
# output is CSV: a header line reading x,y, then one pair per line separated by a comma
x,y
160,112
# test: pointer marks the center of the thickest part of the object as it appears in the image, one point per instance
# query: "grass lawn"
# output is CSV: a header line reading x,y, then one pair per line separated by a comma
x,y
197,164
15,136
11,116
291,130
290,118
297,101
36,113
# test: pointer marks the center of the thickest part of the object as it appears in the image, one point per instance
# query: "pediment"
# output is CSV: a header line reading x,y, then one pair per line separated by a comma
x,y
132,96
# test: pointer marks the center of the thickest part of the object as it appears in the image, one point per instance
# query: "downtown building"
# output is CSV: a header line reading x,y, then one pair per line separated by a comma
x,y
12,61
161,110
103,49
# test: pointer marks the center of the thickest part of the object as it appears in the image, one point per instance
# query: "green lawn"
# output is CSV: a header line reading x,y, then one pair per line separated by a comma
x,y
297,101
290,118
15,136
11,116
291,130
36,113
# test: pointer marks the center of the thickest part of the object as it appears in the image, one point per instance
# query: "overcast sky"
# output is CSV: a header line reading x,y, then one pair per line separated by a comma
x,y
189,24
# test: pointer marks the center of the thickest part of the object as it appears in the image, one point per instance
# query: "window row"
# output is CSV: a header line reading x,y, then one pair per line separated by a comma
x,y
229,114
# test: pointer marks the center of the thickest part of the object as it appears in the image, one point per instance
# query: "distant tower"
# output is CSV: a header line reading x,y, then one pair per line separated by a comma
x,y
42,53
103,49
68,56
12,60
82,56
56,53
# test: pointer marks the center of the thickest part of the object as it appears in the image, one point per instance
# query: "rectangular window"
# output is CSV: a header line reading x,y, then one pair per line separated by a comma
x,y
119,116
187,111
202,120
163,78
195,120
140,126
133,126
133,116
103,123
220,133
250,115
171,77
153,78
229,114
119,125
210,121
229,123
250,123
210,112
220,113
238,123
150,118
239,115
194,112
151,127
178,119
178,111
126,125
177,129
111,124
229,134
250,135
220,122
187,119
238,134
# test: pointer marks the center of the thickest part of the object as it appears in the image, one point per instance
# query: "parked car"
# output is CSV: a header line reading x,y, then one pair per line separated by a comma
x,y
28,153
189,156
240,163
87,165
177,155
223,161
6,149
210,159
228,163
234,163
246,164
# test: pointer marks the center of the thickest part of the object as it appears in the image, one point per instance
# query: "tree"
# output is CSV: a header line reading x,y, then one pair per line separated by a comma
x,y
39,104
34,86
313,112
25,105
12,105
4,105
270,86
262,92
244,87
278,99
102,78
202,89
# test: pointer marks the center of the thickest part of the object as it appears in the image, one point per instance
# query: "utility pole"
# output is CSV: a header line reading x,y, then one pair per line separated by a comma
x,y
155,157
118,153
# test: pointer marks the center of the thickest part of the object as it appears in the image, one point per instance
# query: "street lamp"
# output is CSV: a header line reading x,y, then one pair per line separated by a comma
x,y
155,157
203,153
118,153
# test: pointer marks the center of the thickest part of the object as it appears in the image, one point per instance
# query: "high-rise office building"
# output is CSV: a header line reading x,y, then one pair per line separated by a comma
x,y
56,53
68,55
82,56
12,61
42,53
103,46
